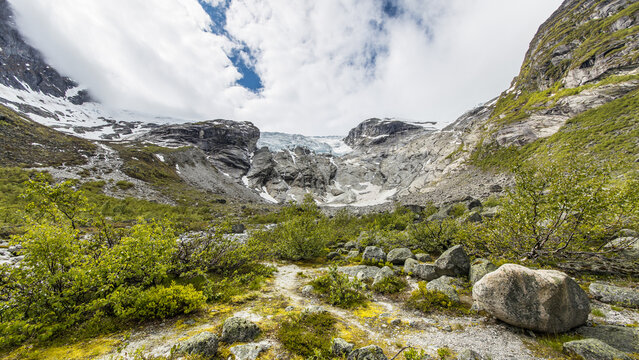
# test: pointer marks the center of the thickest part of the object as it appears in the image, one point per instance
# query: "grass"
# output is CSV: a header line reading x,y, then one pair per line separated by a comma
x,y
548,346
304,333
390,285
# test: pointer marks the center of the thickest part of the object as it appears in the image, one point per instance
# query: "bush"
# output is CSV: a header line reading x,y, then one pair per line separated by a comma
x,y
224,288
428,301
124,185
390,285
305,333
158,302
338,290
433,237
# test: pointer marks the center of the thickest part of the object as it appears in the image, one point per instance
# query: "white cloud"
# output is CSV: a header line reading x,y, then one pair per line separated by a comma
x,y
441,56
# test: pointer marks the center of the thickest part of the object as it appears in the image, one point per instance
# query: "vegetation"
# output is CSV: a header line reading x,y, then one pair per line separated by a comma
x,y
390,285
428,301
305,333
338,290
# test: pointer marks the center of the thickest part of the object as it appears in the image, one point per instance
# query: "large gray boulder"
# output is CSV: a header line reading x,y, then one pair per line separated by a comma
x,y
541,300
204,344
248,351
479,268
374,253
371,352
237,329
399,256
626,246
446,285
426,272
470,355
614,294
360,272
593,349
620,337
340,347
383,274
453,262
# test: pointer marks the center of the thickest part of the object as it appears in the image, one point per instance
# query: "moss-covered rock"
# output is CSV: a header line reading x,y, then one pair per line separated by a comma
x,y
594,349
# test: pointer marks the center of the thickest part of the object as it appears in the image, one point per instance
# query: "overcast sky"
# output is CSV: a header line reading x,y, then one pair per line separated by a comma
x,y
316,67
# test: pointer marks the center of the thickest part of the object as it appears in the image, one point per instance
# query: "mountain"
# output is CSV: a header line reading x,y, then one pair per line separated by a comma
x,y
577,91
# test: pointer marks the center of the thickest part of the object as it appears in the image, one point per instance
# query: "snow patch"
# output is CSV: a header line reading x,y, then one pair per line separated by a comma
x,y
265,195
160,157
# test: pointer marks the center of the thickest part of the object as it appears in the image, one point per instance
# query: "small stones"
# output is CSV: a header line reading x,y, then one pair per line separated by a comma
x,y
615,294
341,347
237,329
594,349
374,253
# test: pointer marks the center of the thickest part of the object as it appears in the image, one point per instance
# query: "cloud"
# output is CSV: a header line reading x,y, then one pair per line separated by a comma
x,y
324,66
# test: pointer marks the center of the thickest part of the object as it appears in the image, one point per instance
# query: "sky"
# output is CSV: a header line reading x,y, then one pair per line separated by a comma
x,y
314,67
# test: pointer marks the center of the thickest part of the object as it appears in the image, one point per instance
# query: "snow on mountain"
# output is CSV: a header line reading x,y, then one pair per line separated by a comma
x,y
276,141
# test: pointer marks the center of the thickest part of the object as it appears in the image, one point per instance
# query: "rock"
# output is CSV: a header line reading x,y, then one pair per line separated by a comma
x,y
620,337
446,285
490,213
315,309
469,355
377,131
628,233
426,272
352,254
238,228
204,344
384,273
332,255
290,308
15,250
371,352
496,188
479,268
474,217
307,290
340,347
248,351
396,322
626,246
474,204
541,300
399,256
615,294
361,272
423,257
593,349
351,245
237,329
374,253
453,262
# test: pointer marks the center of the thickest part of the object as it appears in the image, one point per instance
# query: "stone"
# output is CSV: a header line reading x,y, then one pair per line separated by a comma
x,y
453,262
307,290
593,349
399,256
474,217
474,204
541,300
469,355
248,351
351,245
626,246
495,188
423,257
382,274
352,254
371,352
374,253
620,337
315,309
628,233
396,322
341,347
238,228
479,268
204,344
490,213
425,272
237,329
332,255
446,285
611,294
361,272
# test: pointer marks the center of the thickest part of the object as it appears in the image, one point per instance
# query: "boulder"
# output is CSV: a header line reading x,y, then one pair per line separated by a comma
x,y
479,268
628,233
248,351
352,254
332,255
423,257
204,344
474,217
351,245
626,246
384,273
541,300
399,256
614,294
340,347
237,329
593,349
371,352
426,272
474,204
446,285
453,262
360,272
470,355
620,337
374,253
238,228
307,290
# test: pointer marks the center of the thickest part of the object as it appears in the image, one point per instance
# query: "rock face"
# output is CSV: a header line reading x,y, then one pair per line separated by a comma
x,y
376,131
615,294
541,300
399,256
453,262
593,349
204,344
238,329
371,352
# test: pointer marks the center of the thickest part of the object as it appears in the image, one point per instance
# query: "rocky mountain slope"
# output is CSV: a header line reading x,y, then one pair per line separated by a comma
x,y
580,75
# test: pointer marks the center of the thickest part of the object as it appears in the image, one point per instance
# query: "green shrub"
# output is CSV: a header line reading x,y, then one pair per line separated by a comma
x,y
433,237
224,288
428,301
307,332
457,210
124,185
158,302
390,285
338,290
